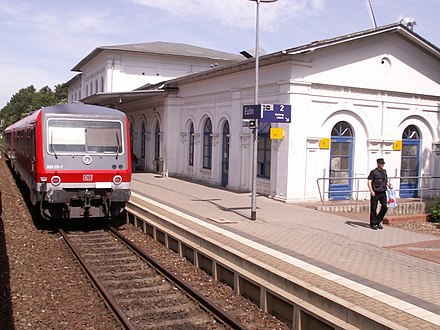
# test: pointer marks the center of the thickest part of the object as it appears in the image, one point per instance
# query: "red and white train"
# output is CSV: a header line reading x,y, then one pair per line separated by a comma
x,y
74,158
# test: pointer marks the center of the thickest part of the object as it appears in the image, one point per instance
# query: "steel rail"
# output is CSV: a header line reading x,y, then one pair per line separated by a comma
x,y
206,303
99,285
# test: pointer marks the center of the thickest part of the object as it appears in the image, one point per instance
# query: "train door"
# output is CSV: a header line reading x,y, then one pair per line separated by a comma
x,y
33,149
225,154
341,148
409,164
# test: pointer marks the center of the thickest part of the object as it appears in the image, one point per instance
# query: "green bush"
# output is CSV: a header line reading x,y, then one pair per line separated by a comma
x,y
434,209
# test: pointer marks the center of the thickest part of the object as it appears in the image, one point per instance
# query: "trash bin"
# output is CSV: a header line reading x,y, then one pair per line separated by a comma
x,y
159,165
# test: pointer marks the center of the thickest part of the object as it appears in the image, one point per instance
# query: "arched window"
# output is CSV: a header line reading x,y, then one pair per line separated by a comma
x,y
191,145
342,129
157,141
207,144
143,134
411,133
225,153
264,151
410,162
341,150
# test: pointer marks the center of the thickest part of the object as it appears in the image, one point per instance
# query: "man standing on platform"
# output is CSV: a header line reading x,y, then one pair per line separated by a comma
x,y
377,183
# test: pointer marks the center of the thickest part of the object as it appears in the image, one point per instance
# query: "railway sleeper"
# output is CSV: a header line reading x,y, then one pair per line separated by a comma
x,y
181,311
112,261
148,300
188,323
164,302
140,292
130,274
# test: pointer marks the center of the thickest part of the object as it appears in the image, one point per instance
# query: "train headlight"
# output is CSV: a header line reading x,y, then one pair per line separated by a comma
x,y
117,179
43,179
87,160
56,180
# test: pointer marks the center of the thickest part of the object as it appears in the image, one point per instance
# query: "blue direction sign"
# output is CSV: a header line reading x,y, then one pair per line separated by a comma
x,y
268,113
276,113
252,111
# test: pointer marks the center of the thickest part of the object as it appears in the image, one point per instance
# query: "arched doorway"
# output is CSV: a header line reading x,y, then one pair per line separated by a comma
x,y
158,161
341,149
143,142
207,144
264,151
410,161
131,136
191,145
225,154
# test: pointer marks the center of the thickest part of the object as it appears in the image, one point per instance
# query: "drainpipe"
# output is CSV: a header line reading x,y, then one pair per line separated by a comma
x,y
111,77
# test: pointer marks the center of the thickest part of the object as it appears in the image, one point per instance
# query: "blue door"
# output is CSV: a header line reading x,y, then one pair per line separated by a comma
x,y
341,148
410,160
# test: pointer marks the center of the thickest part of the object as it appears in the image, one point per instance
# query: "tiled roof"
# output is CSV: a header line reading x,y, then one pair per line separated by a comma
x,y
164,48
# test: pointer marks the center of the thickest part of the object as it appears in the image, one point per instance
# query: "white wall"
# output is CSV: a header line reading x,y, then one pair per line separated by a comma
x,y
378,85
345,83
115,71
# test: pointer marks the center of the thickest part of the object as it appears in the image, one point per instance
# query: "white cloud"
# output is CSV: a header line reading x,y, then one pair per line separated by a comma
x,y
238,13
19,76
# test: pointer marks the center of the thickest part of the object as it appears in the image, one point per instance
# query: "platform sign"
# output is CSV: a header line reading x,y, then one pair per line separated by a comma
x,y
252,111
268,113
276,113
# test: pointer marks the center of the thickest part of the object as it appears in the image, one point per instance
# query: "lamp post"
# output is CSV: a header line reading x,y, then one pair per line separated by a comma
x,y
256,101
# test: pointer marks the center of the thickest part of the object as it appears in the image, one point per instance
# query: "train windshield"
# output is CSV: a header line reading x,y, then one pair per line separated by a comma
x,y
84,136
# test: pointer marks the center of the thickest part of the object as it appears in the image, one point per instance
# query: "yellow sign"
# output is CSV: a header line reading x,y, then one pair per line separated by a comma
x,y
276,133
397,145
324,143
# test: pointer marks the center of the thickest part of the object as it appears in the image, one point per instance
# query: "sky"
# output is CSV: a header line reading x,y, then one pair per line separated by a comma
x,y
42,40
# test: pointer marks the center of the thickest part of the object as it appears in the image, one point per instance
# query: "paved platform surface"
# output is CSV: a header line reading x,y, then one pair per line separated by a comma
x,y
323,248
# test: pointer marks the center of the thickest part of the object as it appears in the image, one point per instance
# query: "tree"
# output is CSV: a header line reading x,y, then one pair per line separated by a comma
x,y
60,94
21,102
28,99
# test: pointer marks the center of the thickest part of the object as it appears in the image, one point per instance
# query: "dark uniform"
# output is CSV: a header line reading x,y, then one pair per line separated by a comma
x,y
379,182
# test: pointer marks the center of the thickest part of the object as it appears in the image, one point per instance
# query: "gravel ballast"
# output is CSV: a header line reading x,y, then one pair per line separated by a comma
x,y
43,287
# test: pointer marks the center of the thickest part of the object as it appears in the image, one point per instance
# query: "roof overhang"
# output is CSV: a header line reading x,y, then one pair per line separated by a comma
x,y
115,98
292,53
392,28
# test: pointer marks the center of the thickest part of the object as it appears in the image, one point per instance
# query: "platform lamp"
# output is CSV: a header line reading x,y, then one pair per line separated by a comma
x,y
256,101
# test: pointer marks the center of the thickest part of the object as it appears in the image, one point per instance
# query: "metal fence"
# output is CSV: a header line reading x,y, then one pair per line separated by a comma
x,y
427,188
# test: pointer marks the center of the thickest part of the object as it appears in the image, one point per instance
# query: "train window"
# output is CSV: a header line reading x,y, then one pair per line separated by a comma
x,y
84,136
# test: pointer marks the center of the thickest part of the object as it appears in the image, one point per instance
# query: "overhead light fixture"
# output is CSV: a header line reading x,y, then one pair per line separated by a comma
x,y
409,22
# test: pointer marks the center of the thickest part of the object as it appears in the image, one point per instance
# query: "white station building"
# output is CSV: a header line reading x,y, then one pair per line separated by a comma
x,y
353,98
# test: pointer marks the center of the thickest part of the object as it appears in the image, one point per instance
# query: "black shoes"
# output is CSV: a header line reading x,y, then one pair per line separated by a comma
x,y
375,227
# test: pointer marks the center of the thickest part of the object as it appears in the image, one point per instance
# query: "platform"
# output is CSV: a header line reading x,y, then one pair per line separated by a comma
x,y
337,257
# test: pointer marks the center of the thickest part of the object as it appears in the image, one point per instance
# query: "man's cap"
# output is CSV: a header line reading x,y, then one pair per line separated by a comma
x,y
380,161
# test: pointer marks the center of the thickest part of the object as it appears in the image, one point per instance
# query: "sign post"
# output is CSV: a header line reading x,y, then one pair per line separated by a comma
x,y
266,113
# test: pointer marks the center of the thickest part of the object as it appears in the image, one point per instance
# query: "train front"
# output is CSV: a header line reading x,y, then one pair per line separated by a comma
x,y
86,168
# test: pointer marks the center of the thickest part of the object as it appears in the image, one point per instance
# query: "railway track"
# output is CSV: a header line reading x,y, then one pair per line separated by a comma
x,y
141,292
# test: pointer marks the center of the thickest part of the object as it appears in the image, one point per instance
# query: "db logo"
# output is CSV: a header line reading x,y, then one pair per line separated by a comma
x,y
88,177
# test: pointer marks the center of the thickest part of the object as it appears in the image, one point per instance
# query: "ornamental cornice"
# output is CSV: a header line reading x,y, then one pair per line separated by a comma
x,y
372,94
